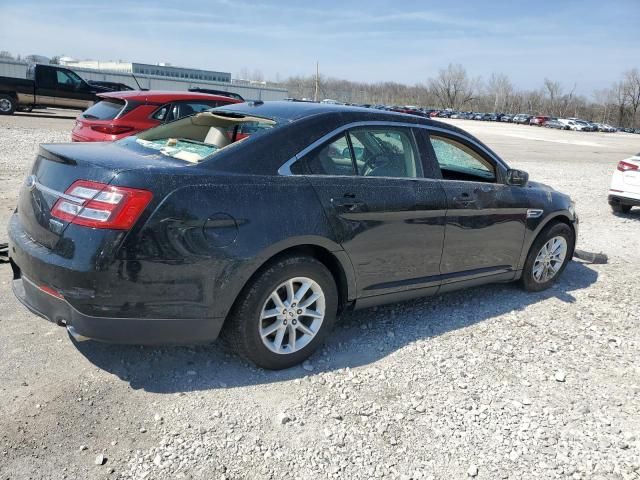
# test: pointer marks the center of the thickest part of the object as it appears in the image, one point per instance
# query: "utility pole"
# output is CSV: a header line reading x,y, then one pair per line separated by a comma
x,y
315,95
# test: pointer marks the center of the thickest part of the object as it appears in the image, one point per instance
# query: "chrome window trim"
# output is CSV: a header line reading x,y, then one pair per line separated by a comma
x,y
285,168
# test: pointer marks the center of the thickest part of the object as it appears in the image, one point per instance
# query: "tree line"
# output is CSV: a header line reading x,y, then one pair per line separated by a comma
x,y
454,88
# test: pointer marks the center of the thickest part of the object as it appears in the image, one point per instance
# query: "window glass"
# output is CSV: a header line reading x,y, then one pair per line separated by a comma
x,y
459,162
332,159
385,152
161,113
67,80
104,110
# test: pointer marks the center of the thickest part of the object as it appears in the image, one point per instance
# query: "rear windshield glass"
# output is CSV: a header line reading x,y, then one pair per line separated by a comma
x,y
104,110
199,136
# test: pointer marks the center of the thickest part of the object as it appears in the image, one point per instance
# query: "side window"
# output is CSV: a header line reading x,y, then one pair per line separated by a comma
x,y
184,109
66,80
385,152
161,113
459,162
332,159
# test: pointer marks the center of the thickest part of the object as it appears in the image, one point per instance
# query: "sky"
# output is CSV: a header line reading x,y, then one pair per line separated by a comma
x,y
585,43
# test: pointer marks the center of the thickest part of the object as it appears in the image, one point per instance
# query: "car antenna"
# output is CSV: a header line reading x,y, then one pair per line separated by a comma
x,y
134,77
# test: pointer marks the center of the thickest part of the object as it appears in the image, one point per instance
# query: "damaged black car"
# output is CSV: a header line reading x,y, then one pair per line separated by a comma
x,y
261,222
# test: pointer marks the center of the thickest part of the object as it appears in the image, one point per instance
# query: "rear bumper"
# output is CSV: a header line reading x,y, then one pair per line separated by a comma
x,y
103,303
114,330
615,199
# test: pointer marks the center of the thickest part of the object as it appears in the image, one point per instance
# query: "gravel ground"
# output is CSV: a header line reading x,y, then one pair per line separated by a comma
x,y
488,383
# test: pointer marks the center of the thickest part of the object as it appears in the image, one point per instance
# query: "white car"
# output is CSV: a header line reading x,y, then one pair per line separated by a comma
x,y
571,124
625,185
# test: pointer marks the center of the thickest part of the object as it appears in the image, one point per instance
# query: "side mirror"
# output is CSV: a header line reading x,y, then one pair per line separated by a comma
x,y
517,178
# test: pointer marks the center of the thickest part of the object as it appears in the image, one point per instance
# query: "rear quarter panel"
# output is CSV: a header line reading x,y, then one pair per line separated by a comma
x,y
205,239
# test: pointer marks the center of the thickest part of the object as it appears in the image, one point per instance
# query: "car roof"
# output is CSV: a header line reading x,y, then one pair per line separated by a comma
x,y
286,111
162,96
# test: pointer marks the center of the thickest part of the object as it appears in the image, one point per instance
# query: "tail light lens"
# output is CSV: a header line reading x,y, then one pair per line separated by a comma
x,y
626,166
98,205
111,129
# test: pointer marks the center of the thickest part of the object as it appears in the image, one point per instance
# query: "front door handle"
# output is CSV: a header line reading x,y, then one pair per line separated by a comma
x,y
464,200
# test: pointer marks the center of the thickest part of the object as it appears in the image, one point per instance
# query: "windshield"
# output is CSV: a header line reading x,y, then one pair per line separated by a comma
x,y
104,110
200,136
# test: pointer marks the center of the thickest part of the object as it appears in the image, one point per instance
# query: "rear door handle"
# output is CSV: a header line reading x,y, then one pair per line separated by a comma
x,y
348,203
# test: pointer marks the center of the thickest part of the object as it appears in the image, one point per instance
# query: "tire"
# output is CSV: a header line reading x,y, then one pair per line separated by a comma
x,y
244,329
618,208
8,105
539,275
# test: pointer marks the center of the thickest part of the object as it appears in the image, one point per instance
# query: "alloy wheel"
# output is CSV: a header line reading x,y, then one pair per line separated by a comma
x,y
292,315
550,259
5,105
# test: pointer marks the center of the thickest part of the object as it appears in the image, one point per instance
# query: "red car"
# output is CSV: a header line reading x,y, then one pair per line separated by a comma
x,y
539,120
120,114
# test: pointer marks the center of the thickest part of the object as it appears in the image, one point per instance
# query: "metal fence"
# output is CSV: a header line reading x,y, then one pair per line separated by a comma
x,y
10,68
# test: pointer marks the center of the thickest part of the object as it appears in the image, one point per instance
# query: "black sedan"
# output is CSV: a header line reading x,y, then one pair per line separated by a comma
x,y
261,222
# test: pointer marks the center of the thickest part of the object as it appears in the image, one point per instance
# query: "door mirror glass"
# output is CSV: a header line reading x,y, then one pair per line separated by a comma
x,y
517,177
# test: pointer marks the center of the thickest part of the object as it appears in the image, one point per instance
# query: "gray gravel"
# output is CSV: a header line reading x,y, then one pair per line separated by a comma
x,y
489,383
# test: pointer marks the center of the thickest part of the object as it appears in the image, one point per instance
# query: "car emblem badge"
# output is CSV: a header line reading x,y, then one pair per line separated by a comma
x,y
31,182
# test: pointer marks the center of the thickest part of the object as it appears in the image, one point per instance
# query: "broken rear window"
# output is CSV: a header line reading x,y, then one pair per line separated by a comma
x,y
195,138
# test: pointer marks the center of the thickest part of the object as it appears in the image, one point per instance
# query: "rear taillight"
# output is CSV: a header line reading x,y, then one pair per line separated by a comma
x,y
98,205
111,129
626,166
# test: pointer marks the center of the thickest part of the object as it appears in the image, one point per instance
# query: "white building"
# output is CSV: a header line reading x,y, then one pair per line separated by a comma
x,y
160,70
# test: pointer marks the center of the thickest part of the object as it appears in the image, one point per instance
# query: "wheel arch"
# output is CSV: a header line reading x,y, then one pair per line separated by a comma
x,y
561,216
324,251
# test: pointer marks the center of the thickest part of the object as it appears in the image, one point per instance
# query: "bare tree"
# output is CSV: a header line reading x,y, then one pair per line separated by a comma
x,y
500,88
244,73
632,92
453,87
554,90
5,54
618,93
257,76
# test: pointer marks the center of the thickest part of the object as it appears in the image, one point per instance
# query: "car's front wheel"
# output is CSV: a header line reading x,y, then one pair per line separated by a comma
x,y
284,314
548,257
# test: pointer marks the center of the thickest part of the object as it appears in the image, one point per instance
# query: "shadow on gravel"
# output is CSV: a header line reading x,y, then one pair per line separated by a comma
x,y
54,115
634,214
359,338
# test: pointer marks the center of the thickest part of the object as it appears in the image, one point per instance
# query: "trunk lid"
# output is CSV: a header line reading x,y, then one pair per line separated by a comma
x,y
57,166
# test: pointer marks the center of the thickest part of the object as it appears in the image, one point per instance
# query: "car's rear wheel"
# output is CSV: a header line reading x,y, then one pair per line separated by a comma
x,y
618,208
548,257
8,105
284,314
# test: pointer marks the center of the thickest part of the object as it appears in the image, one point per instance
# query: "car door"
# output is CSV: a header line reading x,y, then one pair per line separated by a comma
x,y
72,91
46,86
486,219
366,180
